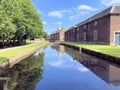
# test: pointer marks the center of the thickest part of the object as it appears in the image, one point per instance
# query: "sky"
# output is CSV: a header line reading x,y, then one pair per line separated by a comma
x,y
67,13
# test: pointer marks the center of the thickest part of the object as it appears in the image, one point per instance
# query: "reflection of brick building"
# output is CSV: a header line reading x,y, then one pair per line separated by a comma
x,y
108,72
59,48
58,35
103,28
105,70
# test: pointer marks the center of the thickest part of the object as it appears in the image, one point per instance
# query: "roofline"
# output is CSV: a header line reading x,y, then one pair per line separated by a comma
x,y
112,9
88,20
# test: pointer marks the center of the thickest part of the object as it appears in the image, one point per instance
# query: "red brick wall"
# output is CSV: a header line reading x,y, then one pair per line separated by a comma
x,y
61,35
115,27
81,33
103,30
102,27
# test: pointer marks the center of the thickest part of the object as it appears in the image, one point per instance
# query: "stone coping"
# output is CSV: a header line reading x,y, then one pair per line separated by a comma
x,y
95,53
16,59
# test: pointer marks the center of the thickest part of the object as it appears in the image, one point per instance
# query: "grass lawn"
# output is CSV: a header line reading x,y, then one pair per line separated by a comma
x,y
107,49
9,53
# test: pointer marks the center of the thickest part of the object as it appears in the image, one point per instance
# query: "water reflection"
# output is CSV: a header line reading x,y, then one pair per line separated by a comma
x,y
105,70
64,69
4,83
26,74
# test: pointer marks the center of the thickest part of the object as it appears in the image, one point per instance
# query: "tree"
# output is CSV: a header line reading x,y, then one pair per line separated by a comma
x,y
46,36
18,21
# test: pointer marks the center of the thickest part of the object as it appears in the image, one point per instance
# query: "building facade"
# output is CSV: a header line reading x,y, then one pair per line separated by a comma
x,y
102,28
58,35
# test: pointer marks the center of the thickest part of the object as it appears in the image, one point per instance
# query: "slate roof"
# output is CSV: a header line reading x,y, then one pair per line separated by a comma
x,y
108,11
116,9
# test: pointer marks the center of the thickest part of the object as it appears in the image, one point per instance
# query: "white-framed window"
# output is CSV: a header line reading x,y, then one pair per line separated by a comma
x,y
95,23
95,35
84,36
77,36
84,26
78,29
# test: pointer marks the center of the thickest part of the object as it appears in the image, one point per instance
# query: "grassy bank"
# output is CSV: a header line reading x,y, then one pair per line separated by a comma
x,y
106,49
11,52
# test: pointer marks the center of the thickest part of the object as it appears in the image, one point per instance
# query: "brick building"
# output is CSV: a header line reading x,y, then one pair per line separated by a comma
x,y
58,35
103,28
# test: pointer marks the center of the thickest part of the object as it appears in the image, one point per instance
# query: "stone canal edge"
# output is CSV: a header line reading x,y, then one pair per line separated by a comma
x,y
14,60
95,53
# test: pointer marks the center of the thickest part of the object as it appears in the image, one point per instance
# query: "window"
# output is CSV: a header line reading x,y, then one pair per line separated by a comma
x,y
95,23
77,36
84,26
95,35
84,36
78,29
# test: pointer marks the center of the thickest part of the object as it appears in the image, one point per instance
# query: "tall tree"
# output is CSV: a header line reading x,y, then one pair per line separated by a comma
x,y
18,21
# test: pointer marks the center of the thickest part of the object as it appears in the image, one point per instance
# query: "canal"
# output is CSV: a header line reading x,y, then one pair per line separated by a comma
x,y
61,68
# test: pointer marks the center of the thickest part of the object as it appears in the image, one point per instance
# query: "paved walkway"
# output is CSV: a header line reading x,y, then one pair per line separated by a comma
x,y
5,49
10,48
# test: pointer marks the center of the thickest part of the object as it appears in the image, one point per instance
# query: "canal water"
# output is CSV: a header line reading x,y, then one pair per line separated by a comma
x,y
61,68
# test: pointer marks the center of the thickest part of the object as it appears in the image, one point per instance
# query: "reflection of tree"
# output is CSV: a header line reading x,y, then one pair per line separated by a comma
x,y
26,74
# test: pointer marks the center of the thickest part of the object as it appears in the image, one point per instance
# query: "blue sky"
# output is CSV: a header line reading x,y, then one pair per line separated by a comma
x,y
67,13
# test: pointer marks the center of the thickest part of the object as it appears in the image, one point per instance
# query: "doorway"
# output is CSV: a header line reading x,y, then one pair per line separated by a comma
x,y
117,38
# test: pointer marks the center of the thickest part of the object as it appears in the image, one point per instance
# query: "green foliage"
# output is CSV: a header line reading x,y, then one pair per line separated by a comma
x,y
46,36
9,53
18,21
26,74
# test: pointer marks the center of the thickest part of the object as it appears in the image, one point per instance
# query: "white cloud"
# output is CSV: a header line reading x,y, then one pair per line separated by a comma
x,y
78,14
73,65
110,2
59,13
73,17
81,10
86,8
57,63
72,13
83,69
57,23
44,22
56,14
60,63
79,67
39,12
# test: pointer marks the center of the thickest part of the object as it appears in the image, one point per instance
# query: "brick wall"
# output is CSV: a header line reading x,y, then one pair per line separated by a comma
x,y
85,31
58,35
103,30
114,26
